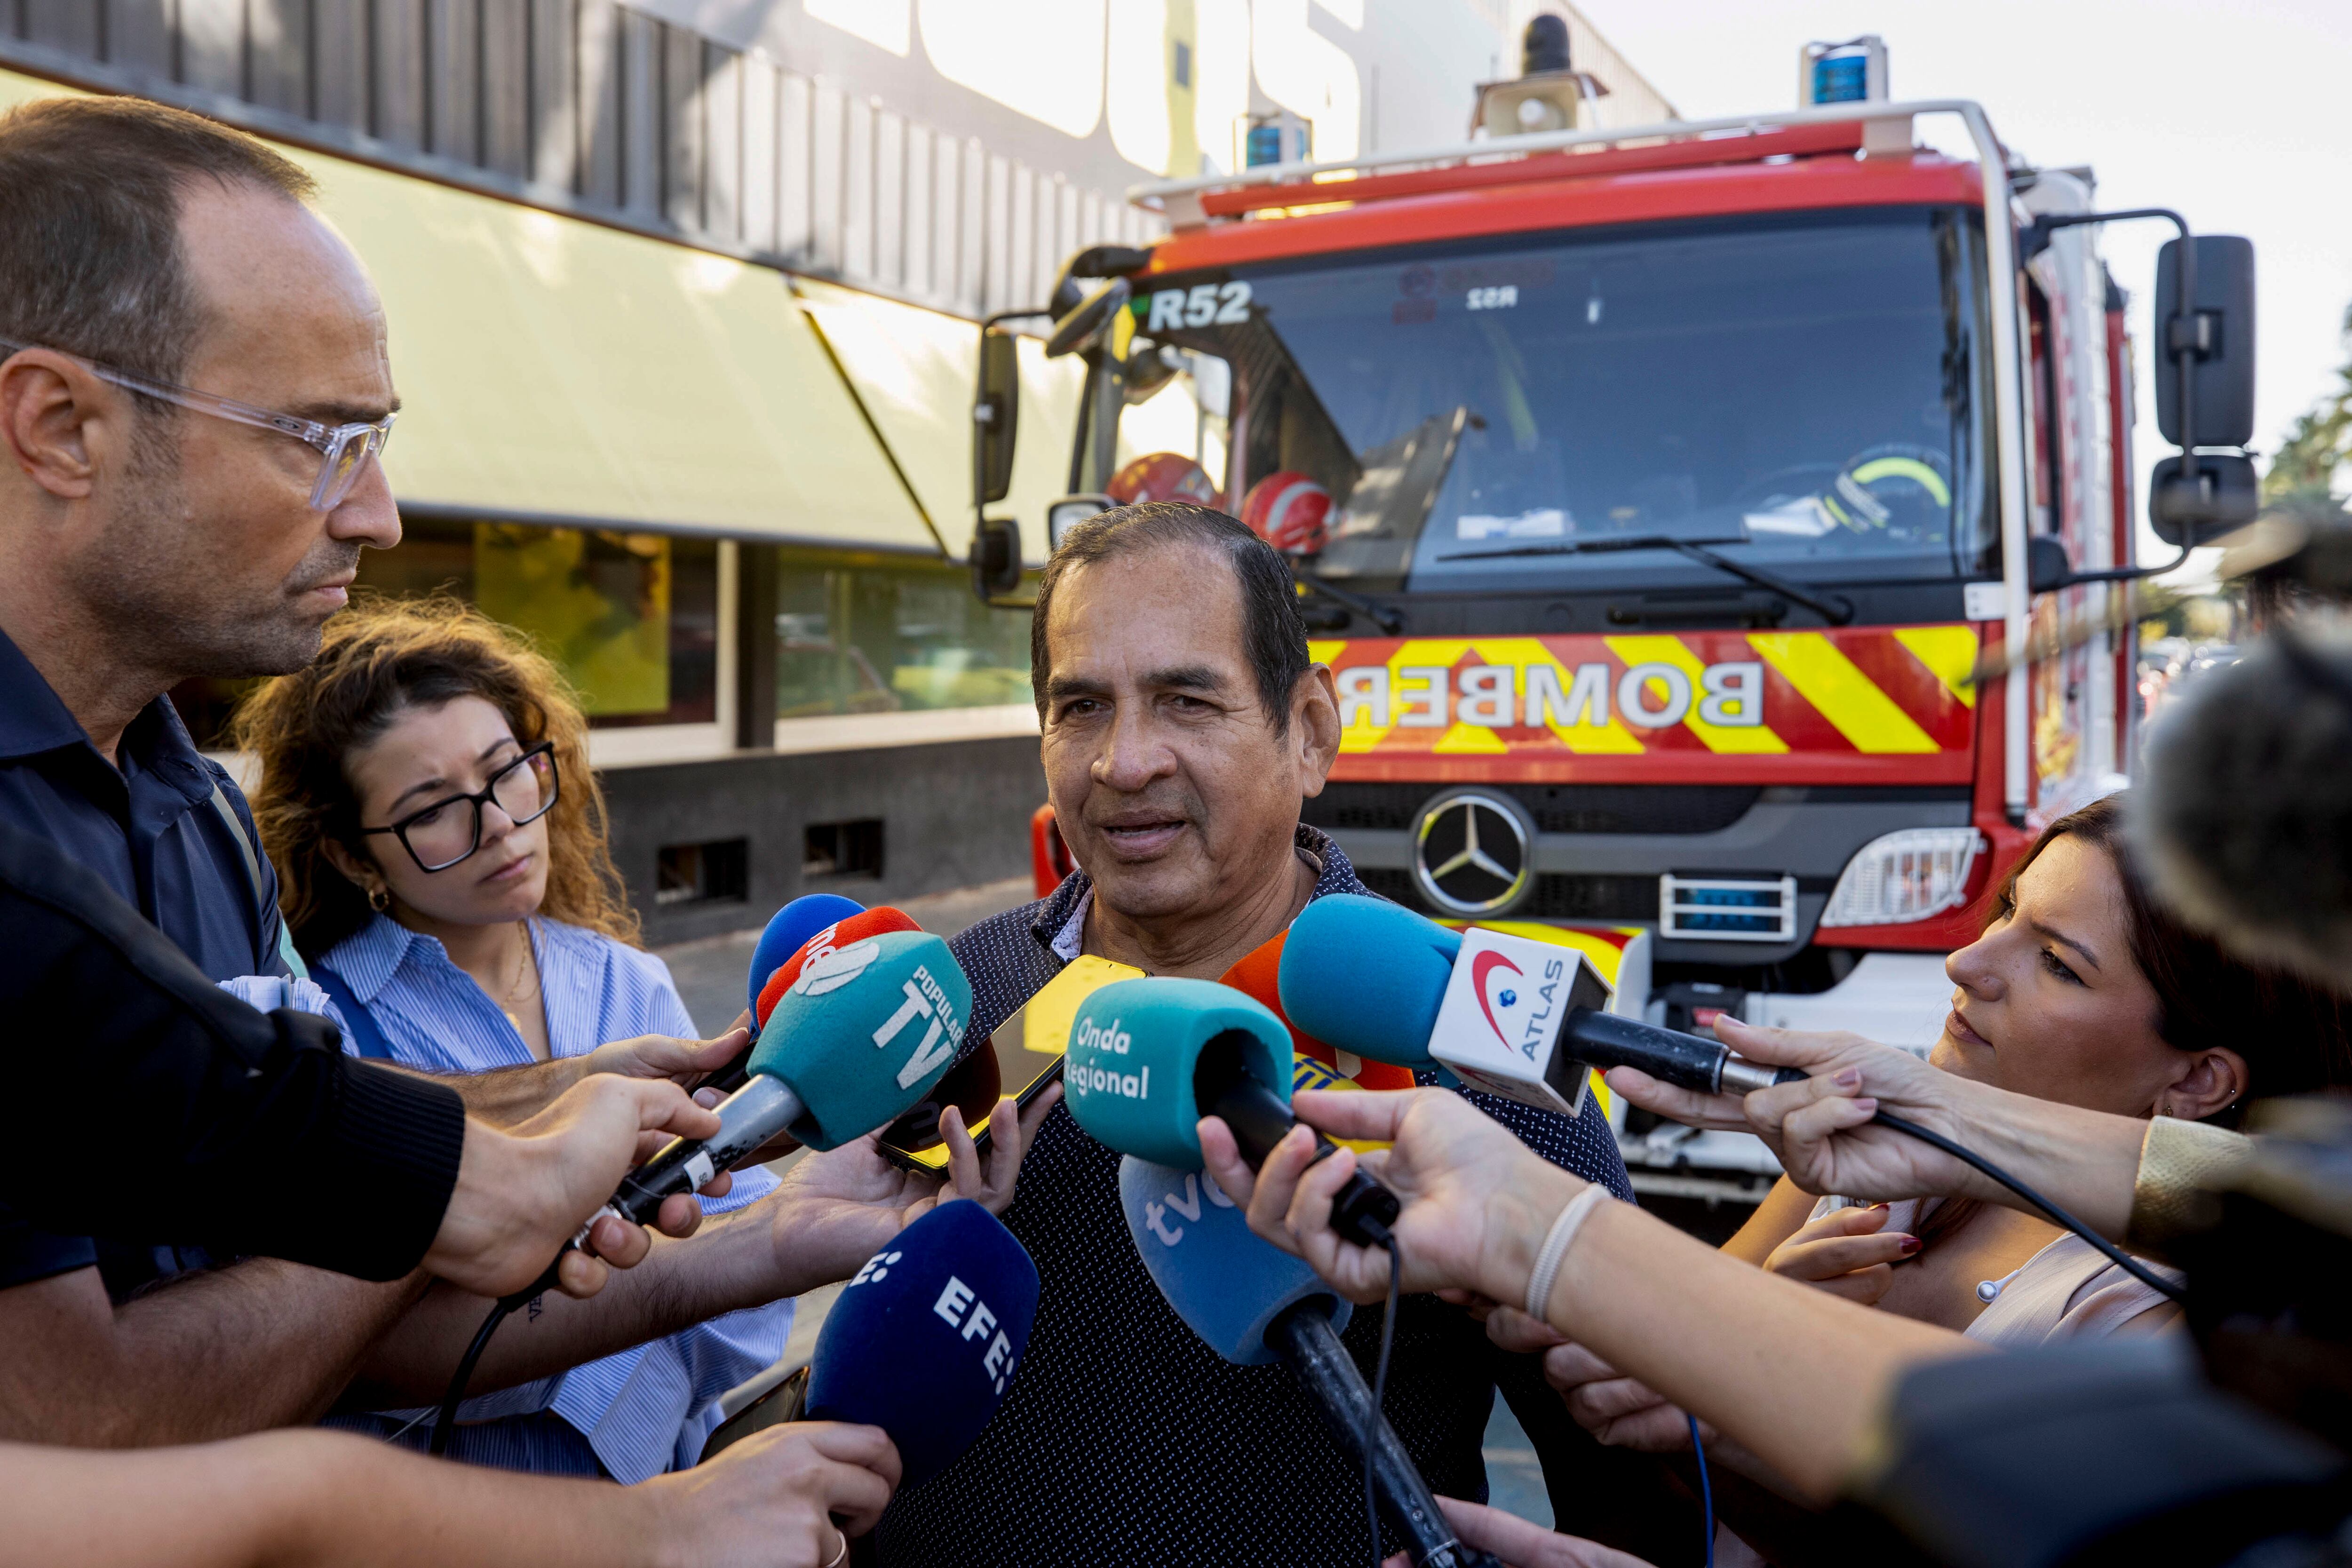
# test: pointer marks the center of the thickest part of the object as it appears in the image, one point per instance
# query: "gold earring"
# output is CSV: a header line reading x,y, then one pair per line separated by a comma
x,y
380,899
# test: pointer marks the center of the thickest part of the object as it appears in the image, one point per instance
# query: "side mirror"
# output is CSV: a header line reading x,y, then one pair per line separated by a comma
x,y
1069,513
995,418
1077,329
2048,567
2220,498
2218,340
996,557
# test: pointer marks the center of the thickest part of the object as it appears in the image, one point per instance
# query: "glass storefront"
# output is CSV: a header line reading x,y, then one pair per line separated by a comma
x,y
631,619
878,634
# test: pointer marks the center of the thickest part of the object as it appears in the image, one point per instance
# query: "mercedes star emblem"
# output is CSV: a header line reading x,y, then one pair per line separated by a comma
x,y
1471,852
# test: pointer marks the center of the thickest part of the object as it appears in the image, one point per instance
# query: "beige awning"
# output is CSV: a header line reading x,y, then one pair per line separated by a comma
x,y
554,367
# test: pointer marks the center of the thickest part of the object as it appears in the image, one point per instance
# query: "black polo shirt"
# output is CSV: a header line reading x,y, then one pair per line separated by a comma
x,y
1125,1439
148,832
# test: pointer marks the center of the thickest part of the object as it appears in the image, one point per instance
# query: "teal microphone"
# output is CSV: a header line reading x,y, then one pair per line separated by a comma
x,y
861,1036
1149,1057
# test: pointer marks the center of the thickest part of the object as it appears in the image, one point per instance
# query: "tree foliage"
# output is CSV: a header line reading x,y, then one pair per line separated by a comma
x,y
2304,472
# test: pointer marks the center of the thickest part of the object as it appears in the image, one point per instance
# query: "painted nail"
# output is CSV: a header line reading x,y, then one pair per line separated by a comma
x,y
1848,1078
1909,1245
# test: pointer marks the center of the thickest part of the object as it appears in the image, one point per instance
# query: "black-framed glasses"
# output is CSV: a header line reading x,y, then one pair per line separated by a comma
x,y
450,830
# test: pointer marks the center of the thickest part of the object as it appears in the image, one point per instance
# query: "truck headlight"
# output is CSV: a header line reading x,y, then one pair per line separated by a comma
x,y
1905,877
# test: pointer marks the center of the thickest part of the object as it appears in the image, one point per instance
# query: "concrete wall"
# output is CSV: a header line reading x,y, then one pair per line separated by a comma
x,y
955,814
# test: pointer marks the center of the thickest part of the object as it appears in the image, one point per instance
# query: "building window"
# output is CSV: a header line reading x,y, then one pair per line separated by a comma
x,y
631,619
869,635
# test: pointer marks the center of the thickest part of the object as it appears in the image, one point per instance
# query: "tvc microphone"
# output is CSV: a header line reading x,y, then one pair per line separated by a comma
x,y
923,1340
1516,1017
1253,1304
1149,1057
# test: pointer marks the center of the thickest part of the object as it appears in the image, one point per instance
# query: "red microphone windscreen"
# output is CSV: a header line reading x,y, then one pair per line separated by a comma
x,y
841,933
1255,976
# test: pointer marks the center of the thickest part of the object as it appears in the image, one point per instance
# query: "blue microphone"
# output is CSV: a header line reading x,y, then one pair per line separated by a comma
x,y
1369,977
787,929
924,1339
1253,1304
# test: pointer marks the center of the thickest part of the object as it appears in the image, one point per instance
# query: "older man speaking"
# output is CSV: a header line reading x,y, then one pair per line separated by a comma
x,y
1184,723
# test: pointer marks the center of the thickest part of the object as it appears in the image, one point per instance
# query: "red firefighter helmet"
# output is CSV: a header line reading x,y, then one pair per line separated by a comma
x,y
1289,511
1163,476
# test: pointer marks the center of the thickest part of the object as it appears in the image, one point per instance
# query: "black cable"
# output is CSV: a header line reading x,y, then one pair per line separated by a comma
x,y
2107,1249
444,1424
1380,1390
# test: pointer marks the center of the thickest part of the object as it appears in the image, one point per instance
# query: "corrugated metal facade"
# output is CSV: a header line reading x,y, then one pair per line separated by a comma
x,y
595,108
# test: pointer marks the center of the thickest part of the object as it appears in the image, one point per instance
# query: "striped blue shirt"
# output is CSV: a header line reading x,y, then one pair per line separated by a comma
x,y
649,1408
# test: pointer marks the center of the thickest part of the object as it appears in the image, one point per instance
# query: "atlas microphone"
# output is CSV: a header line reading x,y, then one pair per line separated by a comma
x,y
923,1341
1254,1304
1149,1057
1508,1014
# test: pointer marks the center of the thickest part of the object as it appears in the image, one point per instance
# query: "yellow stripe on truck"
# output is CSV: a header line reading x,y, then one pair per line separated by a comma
x,y
1840,693
1949,652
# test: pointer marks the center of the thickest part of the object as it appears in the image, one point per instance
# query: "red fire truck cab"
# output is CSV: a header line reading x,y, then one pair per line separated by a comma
x,y
1658,497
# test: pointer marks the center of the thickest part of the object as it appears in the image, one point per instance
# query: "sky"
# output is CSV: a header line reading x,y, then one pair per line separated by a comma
x,y
2235,114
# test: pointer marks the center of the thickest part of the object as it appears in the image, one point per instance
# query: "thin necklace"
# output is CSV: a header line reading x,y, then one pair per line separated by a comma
x,y
524,965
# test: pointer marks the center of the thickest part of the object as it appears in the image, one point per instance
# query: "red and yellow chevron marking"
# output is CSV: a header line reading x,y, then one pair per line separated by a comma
x,y
1873,704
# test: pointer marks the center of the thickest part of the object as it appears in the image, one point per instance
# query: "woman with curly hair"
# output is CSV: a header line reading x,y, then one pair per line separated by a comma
x,y
440,841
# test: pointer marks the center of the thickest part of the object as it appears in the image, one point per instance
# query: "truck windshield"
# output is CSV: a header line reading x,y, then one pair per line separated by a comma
x,y
1798,395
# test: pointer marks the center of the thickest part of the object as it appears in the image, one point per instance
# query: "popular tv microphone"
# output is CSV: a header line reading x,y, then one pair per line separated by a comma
x,y
860,1035
824,940
924,1339
1252,1304
1508,1014
788,929
827,938
1149,1057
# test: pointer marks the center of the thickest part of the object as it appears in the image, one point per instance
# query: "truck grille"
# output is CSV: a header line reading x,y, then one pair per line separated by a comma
x,y
1556,808
1557,896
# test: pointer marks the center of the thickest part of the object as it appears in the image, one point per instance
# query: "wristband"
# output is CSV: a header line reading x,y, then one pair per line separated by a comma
x,y
1554,1251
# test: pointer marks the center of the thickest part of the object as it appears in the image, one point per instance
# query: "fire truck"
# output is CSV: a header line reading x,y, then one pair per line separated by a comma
x,y
1678,508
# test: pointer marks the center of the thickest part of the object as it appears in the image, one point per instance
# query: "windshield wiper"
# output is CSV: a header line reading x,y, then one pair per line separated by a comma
x,y
1381,616
1837,610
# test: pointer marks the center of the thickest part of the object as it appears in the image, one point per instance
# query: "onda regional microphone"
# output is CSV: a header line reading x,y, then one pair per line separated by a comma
x,y
1150,1058
1252,1304
1513,1016
923,1340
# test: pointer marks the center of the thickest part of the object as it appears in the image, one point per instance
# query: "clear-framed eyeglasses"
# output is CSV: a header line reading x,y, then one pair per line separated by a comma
x,y
344,450
449,830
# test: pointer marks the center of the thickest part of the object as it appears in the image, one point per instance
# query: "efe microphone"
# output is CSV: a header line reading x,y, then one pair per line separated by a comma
x,y
1253,1304
923,1341
1149,1057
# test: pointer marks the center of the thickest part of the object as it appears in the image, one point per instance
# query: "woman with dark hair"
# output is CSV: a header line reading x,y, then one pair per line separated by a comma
x,y
439,839
2080,989
2083,990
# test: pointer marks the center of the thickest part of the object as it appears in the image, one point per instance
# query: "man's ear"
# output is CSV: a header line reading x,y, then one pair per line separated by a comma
x,y
2209,1081
1315,727
57,422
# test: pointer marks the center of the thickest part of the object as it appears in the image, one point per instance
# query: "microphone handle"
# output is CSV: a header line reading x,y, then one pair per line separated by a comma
x,y
1310,1347
1362,1211
1605,1040
749,1118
